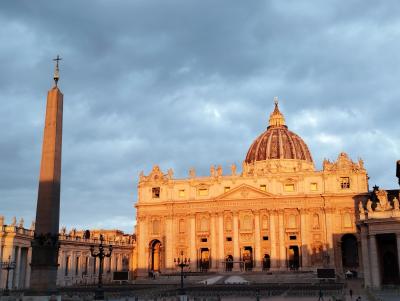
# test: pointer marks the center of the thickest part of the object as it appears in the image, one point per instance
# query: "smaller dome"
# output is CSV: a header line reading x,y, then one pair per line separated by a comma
x,y
277,142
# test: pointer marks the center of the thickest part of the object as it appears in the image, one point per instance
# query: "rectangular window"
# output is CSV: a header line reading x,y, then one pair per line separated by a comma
x,y
289,187
203,191
229,239
344,182
155,192
292,237
263,187
203,240
313,186
182,193
265,237
226,188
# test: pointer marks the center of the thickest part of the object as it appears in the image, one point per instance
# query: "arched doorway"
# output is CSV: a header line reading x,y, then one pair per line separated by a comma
x,y
349,252
155,256
266,262
294,258
204,259
248,258
229,263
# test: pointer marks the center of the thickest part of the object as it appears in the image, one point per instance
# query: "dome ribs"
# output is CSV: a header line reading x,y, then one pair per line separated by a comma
x,y
278,142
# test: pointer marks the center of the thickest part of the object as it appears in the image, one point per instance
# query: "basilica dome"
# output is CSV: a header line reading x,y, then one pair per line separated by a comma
x,y
277,142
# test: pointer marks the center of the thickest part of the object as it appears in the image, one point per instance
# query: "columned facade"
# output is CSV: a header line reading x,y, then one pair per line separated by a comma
x,y
278,213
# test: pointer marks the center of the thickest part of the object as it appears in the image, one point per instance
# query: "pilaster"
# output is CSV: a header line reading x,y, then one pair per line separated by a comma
x,y
305,239
257,235
221,244
193,251
236,250
214,257
272,234
282,247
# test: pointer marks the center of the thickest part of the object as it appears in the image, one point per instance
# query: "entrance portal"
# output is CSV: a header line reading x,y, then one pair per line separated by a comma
x,y
204,259
387,250
266,262
229,263
294,258
155,256
248,258
349,252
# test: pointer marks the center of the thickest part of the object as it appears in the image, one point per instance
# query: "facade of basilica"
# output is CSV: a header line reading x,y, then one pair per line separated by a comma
x,y
278,213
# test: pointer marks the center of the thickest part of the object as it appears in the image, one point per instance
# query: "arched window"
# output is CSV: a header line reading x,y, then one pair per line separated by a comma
x,y
204,224
347,220
156,226
228,224
125,263
292,221
247,222
182,226
265,222
315,221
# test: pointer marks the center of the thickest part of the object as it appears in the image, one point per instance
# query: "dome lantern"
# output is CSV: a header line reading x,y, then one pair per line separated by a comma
x,y
276,118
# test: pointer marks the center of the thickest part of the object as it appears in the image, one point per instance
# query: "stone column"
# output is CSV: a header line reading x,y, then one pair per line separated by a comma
x,y
169,248
236,250
365,256
305,239
282,247
257,233
28,268
17,268
398,246
214,256
221,253
329,215
193,251
375,272
143,245
272,237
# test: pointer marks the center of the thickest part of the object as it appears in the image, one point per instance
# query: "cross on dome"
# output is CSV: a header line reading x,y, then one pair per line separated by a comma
x,y
276,118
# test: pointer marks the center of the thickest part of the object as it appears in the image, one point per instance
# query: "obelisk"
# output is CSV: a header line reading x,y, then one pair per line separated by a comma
x,y
45,244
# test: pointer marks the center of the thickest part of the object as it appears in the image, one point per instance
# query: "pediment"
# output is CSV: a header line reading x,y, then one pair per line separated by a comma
x,y
244,191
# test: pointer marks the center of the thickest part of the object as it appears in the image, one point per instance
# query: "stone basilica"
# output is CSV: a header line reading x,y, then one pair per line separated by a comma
x,y
278,213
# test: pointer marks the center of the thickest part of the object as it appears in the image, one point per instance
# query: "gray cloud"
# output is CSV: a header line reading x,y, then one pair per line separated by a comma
x,y
189,83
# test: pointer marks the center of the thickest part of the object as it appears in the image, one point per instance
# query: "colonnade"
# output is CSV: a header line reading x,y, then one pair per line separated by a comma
x,y
18,277
371,258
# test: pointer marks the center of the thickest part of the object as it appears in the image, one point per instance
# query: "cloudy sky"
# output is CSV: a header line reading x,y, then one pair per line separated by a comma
x,y
189,84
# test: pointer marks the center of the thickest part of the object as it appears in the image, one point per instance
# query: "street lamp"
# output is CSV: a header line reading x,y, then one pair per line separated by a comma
x,y
8,266
182,262
99,293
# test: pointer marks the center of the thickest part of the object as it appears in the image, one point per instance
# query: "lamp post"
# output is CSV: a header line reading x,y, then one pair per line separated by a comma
x,y
99,293
8,266
182,262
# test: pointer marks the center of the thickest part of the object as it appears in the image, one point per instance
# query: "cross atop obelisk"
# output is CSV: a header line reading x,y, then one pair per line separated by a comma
x,y
57,70
45,244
